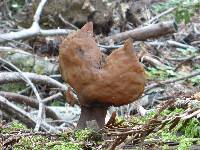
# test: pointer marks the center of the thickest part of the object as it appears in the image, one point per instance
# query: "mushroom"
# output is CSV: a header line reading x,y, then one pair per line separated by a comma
x,y
100,81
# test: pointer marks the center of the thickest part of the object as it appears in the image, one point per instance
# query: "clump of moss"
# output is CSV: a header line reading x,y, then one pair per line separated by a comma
x,y
68,140
36,142
184,134
174,112
14,126
160,73
12,87
141,119
83,135
67,146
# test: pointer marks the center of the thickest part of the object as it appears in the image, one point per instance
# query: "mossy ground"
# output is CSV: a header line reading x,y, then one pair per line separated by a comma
x,y
182,136
26,139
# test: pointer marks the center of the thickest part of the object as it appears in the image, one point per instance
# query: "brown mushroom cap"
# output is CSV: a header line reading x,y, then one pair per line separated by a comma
x,y
117,79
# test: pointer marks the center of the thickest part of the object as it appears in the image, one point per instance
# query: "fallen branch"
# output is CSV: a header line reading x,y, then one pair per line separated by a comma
x,y
10,77
67,23
143,33
160,15
180,59
177,44
34,30
27,80
52,97
14,50
22,116
21,99
154,62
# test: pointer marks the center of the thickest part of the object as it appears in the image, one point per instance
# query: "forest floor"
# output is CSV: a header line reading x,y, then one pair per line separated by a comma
x,y
171,99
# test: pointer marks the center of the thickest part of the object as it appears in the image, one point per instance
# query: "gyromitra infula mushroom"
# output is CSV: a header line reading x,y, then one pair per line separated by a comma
x,y
100,81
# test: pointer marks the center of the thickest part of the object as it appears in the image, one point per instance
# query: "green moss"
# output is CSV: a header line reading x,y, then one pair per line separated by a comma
x,y
168,136
142,120
12,87
184,134
192,129
41,142
165,147
65,136
195,80
159,73
67,146
39,68
167,112
82,135
185,143
32,142
57,103
14,126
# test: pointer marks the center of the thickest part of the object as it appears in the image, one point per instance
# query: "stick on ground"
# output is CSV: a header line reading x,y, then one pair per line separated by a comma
x,y
143,33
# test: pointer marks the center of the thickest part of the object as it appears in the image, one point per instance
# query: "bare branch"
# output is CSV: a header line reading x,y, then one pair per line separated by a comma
x,y
38,12
34,30
31,32
23,116
160,15
26,79
50,98
143,33
21,99
10,77
15,50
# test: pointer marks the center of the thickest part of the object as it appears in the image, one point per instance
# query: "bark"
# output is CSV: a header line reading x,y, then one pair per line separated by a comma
x,y
143,33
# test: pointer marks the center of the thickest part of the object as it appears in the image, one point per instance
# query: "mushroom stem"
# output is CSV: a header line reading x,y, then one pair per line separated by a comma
x,y
88,114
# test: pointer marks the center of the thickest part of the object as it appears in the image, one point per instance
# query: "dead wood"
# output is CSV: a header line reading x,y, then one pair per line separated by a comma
x,y
143,33
21,115
28,101
11,77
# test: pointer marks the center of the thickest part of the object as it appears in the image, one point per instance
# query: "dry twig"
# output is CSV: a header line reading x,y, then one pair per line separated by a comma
x,y
21,99
23,116
26,79
10,77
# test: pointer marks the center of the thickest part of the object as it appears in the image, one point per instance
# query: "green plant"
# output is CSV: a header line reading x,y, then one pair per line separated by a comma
x,y
82,135
184,134
192,129
185,9
160,74
33,142
13,127
12,87
185,143
195,80
67,146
